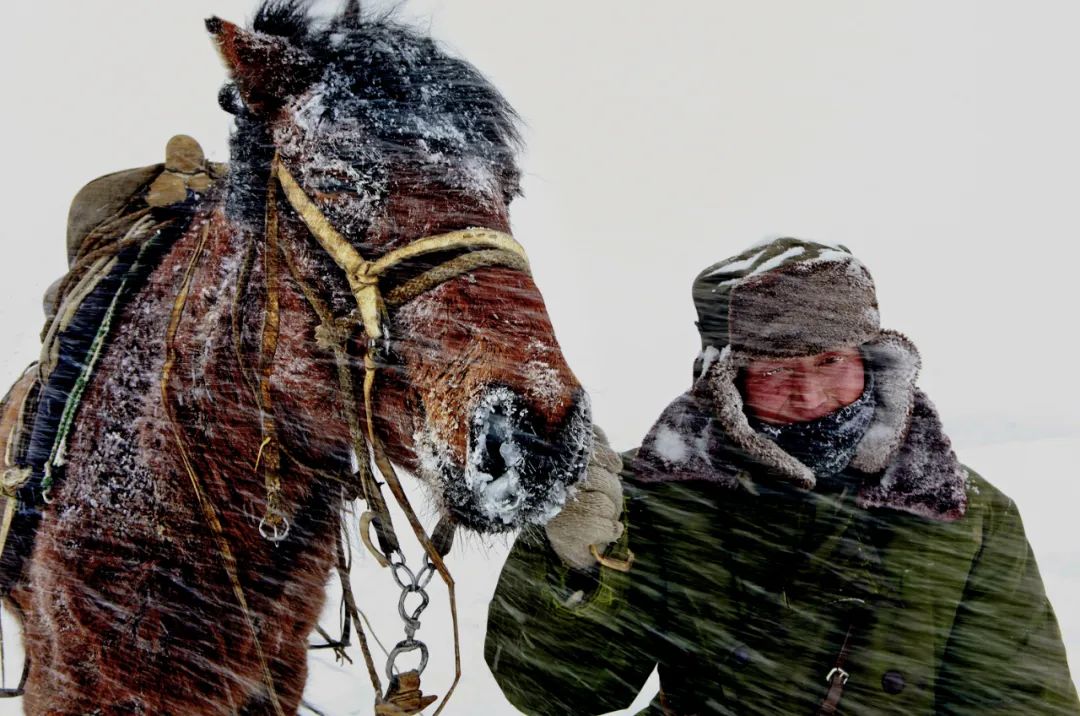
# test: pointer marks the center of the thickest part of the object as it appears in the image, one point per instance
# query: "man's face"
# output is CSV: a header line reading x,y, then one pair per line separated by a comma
x,y
795,390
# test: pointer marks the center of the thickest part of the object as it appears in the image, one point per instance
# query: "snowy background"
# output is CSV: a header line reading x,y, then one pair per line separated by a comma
x,y
936,139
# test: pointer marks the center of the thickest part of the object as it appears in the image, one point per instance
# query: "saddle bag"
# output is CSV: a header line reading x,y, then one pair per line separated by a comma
x,y
119,227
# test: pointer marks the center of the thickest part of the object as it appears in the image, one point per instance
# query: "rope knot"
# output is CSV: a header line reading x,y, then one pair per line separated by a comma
x,y
361,275
186,168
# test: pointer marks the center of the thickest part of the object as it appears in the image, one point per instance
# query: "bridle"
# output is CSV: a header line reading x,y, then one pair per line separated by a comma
x,y
363,275
473,249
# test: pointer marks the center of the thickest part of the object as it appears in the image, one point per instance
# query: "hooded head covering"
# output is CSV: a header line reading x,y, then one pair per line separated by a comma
x,y
789,298
786,298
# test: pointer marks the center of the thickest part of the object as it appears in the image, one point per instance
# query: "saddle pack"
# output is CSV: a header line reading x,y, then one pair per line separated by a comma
x,y
119,227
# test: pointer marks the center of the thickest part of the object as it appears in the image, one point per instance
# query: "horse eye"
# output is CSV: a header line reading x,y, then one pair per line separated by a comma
x,y
333,185
333,181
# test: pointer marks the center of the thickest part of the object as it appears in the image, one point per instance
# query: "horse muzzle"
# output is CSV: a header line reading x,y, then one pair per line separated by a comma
x,y
517,473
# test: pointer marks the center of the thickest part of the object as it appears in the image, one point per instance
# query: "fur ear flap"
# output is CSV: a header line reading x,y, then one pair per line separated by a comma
x,y
267,70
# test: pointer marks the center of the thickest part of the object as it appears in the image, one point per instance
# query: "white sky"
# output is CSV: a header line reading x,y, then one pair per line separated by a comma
x,y
938,140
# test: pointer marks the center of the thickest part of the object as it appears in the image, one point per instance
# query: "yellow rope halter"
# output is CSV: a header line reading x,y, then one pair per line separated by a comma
x,y
363,275
478,248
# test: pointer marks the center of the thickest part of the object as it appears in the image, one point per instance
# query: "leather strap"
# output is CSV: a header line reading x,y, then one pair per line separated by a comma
x,y
210,512
837,677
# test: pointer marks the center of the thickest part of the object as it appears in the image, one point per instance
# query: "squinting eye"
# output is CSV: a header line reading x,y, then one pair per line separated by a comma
x,y
832,360
773,372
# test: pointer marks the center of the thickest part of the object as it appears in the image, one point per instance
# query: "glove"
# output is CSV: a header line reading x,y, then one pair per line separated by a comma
x,y
591,515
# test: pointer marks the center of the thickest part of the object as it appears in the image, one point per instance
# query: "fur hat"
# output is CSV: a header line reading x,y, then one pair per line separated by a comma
x,y
786,298
789,298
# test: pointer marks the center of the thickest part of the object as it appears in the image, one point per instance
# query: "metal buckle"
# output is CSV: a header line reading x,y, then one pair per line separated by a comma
x,y
274,533
837,671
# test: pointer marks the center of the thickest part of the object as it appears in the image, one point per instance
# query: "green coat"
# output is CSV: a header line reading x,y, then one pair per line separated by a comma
x,y
746,616
742,594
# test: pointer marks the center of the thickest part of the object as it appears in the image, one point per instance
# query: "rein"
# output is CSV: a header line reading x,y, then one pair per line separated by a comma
x,y
477,248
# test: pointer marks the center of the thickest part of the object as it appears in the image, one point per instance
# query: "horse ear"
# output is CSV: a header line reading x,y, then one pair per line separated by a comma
x,y
352,13
266,69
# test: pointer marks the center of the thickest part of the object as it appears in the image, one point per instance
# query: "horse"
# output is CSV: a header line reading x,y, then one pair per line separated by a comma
x,y
181,560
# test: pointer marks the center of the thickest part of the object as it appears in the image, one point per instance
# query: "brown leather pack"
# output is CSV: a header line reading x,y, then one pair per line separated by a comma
x,y
16,419
109,214
15,409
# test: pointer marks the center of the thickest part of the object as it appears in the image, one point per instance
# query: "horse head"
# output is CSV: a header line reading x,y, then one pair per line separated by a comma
x,y
389,140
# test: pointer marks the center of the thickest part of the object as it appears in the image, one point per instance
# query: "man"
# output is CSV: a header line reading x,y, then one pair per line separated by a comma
x,y
804,540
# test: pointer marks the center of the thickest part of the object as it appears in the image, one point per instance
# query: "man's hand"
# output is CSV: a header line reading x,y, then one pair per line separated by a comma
x,y
591,515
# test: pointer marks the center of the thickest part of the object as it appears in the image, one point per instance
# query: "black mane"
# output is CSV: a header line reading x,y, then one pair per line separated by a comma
x,y
412,98
283,18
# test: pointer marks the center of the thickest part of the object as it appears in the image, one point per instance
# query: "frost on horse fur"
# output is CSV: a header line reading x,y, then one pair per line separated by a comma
x,y
127,606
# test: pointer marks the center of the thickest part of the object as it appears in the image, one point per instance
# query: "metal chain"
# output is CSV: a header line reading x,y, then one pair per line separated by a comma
x,y
410,583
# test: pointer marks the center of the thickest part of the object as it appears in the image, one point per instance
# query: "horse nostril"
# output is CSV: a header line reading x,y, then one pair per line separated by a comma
x,y
497,436
493,461
517,470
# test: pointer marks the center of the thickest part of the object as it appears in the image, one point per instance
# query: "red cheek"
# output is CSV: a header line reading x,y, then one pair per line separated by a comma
x,y
846,383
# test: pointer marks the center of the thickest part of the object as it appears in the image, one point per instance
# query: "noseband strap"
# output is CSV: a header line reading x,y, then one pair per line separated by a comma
x,y
486,247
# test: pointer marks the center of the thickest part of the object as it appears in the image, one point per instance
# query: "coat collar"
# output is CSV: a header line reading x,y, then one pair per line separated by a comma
x,y
908,459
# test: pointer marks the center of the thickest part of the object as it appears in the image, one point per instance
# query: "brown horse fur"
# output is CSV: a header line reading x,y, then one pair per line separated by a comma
x,y
127,606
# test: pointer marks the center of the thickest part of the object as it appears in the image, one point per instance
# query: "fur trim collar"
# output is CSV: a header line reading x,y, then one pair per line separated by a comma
x,y
896,363
909,460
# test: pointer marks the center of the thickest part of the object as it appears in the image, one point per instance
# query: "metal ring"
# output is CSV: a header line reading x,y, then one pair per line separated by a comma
x,y
424,578
395,566
274,533
425,600
404,647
